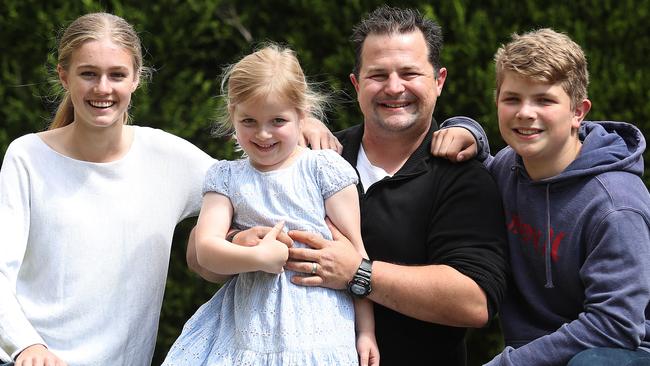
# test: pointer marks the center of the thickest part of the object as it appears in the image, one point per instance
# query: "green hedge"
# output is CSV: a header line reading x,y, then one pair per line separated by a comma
x,y
188,42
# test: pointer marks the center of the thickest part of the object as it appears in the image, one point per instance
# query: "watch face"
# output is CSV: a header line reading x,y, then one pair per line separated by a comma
x,y
357,289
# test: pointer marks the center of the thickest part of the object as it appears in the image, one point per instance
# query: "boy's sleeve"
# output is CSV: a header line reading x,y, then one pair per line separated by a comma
x,y
483,145
16,332
616,276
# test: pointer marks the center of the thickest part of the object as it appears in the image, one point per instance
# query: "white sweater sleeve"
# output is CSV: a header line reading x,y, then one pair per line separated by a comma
x,y
16,332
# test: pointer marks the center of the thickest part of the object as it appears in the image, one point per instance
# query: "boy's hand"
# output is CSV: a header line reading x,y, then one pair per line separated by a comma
x,y
455,144
367,349
38,354
272,254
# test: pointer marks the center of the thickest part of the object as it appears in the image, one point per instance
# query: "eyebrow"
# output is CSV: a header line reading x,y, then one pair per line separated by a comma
x,y
91,66
401,69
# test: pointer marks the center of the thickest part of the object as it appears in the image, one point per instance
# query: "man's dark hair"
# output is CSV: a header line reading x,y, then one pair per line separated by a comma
x,y
387,20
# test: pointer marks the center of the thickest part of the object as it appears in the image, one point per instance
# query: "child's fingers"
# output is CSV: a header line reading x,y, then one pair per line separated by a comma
x,y
438,143
468,152
275,231
285,239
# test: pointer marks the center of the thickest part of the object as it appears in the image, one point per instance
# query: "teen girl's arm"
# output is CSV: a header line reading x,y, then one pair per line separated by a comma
x,y
342,208
317,136
219,256
18,338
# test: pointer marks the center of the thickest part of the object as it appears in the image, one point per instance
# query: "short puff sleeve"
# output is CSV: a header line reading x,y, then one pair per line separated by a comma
x,y
333,172
217,179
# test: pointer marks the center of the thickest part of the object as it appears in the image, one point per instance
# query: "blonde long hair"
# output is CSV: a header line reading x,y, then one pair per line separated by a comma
x,y
89,27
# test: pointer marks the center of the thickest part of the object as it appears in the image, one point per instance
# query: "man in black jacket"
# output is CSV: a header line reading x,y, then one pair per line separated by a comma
x,y
434,231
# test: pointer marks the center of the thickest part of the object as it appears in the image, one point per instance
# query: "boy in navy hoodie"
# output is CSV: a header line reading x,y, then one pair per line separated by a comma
x,y
577,211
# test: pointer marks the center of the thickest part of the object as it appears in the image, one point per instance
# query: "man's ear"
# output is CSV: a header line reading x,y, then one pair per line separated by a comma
x,y
440,80
355,82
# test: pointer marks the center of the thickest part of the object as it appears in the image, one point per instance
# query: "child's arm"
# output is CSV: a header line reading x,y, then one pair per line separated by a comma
x,y
460,139
247,238
217,255
343,210
193,263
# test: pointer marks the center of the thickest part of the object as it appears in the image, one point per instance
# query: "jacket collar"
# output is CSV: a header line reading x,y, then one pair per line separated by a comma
x,y
351,141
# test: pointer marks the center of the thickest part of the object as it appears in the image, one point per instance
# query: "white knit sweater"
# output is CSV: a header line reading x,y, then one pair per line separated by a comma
x,y
84,247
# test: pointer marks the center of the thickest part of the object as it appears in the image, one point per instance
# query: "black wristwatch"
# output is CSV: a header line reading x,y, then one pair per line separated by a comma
x,y
360,286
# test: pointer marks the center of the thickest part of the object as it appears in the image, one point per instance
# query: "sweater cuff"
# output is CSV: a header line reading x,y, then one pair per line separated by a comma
x,y
483,147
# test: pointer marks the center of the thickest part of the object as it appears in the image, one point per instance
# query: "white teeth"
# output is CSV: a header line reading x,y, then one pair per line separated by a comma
x,y
395,105
525,131
101,103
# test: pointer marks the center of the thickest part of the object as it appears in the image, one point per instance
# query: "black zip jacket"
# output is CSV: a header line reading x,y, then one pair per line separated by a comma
x,y
431,212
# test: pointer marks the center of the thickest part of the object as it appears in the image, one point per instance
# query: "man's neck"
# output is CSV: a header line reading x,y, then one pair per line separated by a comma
x,y
390,150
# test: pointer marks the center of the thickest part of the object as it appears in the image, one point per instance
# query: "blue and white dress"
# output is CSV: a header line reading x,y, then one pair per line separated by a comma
x,y
258,318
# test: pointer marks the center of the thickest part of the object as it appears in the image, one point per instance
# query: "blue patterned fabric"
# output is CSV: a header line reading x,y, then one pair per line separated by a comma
x,y
258,318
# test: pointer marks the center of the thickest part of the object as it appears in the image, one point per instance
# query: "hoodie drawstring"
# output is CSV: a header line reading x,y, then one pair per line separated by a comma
x,y
547,252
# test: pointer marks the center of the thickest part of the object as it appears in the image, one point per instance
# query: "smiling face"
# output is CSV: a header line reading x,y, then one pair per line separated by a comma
x,y
268,130
537,120
397,88
100,80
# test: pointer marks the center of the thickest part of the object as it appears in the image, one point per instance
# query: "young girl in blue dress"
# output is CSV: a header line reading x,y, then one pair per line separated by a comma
x,y
259,317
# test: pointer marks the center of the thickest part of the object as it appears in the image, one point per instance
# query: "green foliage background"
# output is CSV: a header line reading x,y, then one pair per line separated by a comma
x,y
188,42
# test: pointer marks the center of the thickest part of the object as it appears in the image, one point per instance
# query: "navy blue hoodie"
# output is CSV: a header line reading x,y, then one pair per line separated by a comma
x,y
587,283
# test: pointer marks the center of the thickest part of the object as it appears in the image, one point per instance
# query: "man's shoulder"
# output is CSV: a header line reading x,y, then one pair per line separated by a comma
x,y
470,174
471,165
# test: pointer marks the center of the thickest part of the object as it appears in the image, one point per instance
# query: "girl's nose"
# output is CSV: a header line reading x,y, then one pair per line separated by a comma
x,y
263,133
103,85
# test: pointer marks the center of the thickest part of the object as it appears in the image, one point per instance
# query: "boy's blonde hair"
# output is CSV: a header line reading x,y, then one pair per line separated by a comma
x,y
93,27
271,70
546,56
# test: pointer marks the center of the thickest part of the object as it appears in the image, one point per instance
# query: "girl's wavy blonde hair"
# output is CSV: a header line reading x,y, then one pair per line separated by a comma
x,y
271,70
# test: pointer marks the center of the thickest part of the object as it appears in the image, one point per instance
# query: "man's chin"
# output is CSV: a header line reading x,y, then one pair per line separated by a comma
x,y
397,123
